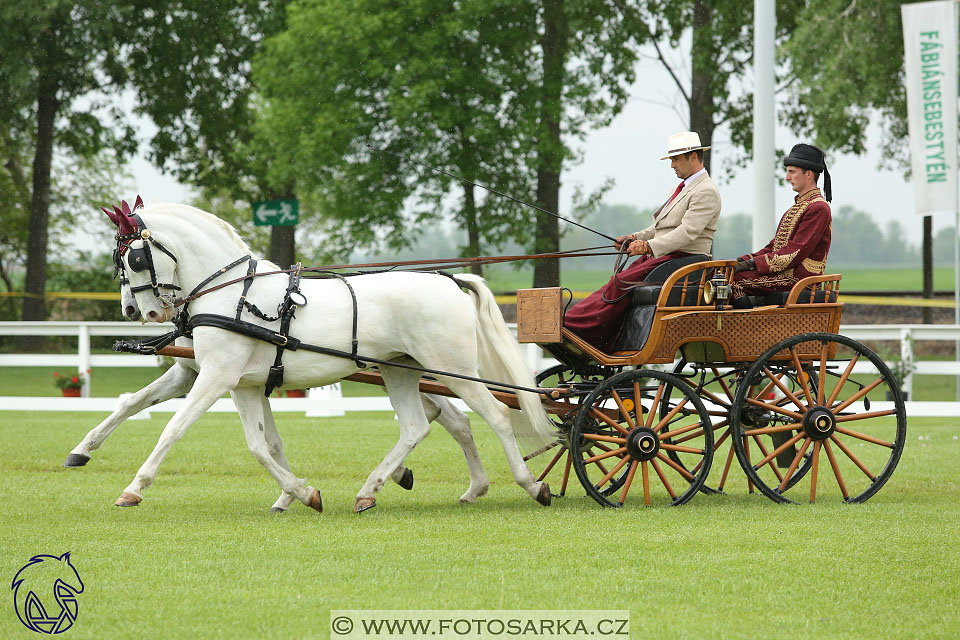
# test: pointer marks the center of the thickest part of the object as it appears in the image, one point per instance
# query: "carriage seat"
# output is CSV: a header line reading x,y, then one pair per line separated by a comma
x,y
643,302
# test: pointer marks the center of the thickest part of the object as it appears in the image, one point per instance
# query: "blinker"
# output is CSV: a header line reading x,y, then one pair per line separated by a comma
x,y
137,260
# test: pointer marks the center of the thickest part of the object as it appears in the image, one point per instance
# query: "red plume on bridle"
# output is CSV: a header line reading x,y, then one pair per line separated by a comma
x,y
122,216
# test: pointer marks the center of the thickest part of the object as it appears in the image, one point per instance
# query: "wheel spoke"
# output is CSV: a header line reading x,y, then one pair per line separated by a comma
x,y
843,380
670,434
656,402
605,479
865,437
550,466
783,447
673,447
779,384
607,419
824,350
793,465
623,409
836,469
775,409
637,397
715,398
663,478
813,471
723,384
566,473
607,454
762,431
866,416
763,450
726,469
646,482
801,377
859,394
851,455
602,438
626,485
686,474
667,418
716,446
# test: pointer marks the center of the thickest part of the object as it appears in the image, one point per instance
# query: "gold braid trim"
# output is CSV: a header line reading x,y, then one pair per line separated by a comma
x,y
814,266
784,280
789,221
777,263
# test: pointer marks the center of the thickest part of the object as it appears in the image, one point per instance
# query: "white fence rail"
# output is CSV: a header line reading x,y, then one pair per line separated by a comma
x,y
323,402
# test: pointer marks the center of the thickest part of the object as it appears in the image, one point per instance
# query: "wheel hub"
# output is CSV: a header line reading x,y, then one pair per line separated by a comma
x,y
819,423
643,444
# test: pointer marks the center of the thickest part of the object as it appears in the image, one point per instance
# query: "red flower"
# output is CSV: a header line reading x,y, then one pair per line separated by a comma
x,y
56,374
74,379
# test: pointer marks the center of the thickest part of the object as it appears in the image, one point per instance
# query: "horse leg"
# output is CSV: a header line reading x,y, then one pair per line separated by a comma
x,y
404,390
275,446
457,425
211,383
175,381
497,415
248,402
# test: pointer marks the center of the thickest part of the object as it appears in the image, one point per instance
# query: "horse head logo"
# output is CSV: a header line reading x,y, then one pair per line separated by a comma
x,y
45,593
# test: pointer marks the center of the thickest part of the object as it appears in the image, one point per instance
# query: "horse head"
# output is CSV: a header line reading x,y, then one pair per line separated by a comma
x,y
41,582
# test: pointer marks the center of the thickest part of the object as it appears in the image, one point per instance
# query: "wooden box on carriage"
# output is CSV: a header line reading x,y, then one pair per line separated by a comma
x,y
538,315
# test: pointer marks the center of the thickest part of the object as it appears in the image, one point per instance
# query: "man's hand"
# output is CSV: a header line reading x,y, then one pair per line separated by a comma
x,y
623,241
745,265
638,248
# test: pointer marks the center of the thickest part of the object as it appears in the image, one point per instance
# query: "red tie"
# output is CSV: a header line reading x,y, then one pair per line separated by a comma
x,y
677,192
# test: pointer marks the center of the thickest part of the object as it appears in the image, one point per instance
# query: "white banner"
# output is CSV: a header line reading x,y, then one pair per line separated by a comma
x,y
930,54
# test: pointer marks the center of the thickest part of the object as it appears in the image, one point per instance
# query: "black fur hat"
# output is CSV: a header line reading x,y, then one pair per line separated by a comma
x,y
807,156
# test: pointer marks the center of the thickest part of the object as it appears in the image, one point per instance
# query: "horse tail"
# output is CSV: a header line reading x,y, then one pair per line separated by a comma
x,y
501,360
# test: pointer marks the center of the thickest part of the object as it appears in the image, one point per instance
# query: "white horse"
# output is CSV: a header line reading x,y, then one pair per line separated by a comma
x,y
179,379
404,318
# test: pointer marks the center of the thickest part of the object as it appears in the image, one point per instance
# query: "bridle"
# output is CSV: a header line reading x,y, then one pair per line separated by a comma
x,y
141,259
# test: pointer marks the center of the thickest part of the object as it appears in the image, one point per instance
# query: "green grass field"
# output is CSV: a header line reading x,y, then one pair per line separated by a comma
x,y
202,557
509,280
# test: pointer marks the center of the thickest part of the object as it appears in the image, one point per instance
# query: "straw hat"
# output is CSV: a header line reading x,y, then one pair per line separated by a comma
x,y
683,142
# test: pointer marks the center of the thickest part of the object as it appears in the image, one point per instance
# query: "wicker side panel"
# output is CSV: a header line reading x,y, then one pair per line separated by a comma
x,y
745,336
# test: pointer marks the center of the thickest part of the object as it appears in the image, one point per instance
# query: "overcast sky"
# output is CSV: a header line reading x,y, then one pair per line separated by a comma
x,y
628,151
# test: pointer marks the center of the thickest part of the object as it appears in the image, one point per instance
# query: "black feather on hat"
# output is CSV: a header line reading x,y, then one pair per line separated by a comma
x,y
807,156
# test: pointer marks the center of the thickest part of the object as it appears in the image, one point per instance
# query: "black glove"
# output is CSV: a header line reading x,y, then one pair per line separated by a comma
x,y
745,265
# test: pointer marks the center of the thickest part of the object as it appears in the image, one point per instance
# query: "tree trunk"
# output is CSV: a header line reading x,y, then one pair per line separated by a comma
x,y
35,284
703,66
546,273
927,266
473,227
283,250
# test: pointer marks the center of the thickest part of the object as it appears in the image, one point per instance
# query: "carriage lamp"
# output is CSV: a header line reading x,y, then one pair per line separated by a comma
x,y
721,290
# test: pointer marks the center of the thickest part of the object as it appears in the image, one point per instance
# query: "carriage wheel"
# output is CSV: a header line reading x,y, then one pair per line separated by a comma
x,y
619,433
830,425
716,388
555,457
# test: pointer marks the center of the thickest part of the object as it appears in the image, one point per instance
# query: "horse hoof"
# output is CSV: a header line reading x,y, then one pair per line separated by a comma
x,y
406,482
277,510
315,502
76,460
544,496
363,504
128,500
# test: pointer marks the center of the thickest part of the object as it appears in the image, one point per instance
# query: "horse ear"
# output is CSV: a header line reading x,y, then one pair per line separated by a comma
x,y
138,204
66,556
125,207
113,218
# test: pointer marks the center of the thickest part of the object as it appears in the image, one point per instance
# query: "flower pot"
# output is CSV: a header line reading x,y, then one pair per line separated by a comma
x,y
296,393
71,393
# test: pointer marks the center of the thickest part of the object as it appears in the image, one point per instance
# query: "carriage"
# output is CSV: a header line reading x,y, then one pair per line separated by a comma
x,y
690,378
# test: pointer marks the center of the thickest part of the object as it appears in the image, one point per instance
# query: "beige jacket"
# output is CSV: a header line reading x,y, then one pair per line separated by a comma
x,y
688,222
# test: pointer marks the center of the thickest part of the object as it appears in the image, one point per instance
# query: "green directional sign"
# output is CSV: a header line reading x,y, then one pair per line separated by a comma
x,y
276,213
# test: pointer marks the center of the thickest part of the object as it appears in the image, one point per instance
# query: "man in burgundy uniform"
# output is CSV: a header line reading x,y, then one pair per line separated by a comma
x,y
799,248
683,225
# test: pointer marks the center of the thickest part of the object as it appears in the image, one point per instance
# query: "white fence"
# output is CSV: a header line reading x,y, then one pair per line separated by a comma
x,y
329,401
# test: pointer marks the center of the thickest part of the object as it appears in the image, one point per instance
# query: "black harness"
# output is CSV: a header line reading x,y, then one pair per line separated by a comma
x,y
142,258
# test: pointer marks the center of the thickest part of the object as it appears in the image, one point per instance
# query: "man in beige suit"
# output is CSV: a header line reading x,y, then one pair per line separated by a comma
x,y
683,225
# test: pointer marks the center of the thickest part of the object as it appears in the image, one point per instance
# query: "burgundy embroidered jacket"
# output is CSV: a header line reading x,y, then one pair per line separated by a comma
x,y
799,248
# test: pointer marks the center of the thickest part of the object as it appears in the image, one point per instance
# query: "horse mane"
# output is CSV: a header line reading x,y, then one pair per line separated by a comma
x,y
178,210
